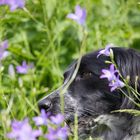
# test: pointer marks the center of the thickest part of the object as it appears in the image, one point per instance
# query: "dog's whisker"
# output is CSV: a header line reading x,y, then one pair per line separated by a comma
x,y
88,112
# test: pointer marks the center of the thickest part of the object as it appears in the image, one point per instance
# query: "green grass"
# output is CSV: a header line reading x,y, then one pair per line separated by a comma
x,y
42,34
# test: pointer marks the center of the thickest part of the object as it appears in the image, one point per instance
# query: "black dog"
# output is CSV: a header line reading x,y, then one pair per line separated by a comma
x,y
90,97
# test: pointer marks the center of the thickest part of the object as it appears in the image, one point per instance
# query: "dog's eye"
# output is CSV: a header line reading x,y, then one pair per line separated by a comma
x,y
84,75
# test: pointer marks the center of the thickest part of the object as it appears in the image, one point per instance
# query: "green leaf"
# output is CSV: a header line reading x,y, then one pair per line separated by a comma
x,y
50,7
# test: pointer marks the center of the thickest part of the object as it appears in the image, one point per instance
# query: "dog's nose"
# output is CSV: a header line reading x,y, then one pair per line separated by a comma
x,y
45,104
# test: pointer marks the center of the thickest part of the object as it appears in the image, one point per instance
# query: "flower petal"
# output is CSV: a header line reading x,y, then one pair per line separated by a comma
x,y
72,16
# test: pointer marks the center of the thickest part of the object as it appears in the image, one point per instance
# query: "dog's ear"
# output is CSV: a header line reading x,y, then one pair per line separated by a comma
x,y
128,62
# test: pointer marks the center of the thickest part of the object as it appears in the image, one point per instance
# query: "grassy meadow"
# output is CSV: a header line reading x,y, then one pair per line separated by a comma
x,y
41,34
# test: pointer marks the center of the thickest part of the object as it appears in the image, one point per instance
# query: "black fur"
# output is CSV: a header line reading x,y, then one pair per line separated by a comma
x,y
90,97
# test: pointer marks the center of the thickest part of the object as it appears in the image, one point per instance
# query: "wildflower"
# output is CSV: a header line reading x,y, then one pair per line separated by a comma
x,y
105,51
57,134
51,135
42,119
21,130
23,69
79,16
109,74
62,133
3,47
113,77
58,119
117,83
13,4
55,130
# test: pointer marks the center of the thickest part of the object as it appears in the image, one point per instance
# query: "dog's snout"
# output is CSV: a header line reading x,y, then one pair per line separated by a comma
x,y
45,104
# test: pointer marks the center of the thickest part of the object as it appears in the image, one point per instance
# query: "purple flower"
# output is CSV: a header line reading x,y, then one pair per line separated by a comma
x,y
109,74
23,69
13,4
57,134
42,119
21,130
62,133
58,119
117,83
105,51
113,77
3,47
51,135
79,16
55,130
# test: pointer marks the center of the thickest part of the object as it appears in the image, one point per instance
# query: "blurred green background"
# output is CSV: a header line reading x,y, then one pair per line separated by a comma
x,y
41,33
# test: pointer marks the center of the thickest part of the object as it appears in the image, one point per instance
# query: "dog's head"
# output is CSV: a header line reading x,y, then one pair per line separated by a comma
x,y
88,95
